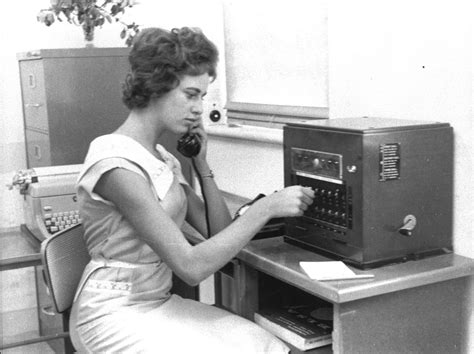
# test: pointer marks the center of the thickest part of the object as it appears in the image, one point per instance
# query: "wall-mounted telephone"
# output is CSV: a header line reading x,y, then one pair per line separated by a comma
x,y
189,145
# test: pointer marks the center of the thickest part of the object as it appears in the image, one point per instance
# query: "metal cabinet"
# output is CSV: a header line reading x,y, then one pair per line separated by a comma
x,y
70,96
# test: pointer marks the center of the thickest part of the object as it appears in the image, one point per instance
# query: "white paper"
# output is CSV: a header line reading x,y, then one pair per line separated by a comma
x,y
331,270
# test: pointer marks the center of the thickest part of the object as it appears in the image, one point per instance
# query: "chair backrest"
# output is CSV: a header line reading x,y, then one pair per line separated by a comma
x,y
64,256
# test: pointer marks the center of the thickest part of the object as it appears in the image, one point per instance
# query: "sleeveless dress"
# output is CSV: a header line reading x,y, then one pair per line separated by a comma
x,y
123,303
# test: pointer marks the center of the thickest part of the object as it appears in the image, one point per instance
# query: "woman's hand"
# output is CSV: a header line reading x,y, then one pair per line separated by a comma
x,y
200,133
290,201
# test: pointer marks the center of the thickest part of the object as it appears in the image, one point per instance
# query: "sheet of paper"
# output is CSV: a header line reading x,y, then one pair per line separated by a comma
x,y
331,270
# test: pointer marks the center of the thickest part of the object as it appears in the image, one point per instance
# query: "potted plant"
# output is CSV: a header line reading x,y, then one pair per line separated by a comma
x,y
90,14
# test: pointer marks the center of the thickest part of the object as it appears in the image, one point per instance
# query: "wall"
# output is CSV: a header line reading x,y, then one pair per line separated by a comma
x,y
21,32
420,70
411,60
400,59
249,165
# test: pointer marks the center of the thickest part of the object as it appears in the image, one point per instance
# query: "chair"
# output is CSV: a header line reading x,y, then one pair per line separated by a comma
x,y
64,257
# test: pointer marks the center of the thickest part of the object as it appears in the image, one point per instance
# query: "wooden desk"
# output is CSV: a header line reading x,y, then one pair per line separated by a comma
x,y
417,306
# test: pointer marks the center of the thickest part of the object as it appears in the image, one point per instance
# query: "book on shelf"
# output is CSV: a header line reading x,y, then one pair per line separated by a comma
x,y
302,326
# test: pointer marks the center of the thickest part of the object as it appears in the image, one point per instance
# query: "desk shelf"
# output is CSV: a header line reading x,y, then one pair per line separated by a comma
x,y
417,306
274,293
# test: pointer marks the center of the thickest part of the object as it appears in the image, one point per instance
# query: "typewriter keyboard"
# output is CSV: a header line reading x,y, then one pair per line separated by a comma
x,y
55,222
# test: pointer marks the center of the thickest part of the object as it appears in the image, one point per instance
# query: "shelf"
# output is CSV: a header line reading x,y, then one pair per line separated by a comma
x,y
281,260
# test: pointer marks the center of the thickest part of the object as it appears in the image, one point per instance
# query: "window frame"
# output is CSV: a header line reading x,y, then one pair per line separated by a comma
x,y
270,115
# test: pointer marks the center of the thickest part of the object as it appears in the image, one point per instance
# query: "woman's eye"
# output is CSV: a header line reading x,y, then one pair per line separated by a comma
x,y
194,96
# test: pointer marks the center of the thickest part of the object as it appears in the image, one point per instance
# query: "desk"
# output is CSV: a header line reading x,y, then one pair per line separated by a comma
x,y
19,249
417,306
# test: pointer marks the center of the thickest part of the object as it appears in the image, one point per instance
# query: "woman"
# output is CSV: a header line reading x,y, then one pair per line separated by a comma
x,y
134,200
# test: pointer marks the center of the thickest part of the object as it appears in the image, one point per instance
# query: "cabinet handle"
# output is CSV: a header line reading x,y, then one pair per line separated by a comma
x,y
34,105
48,310
33,53
31,81
37,151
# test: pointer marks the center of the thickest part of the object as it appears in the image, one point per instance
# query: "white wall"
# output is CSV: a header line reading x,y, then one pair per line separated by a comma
x,y
21,32
411,60
400,59
246,167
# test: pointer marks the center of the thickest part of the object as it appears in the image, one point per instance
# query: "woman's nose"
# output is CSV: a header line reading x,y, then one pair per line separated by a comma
x,y
197,108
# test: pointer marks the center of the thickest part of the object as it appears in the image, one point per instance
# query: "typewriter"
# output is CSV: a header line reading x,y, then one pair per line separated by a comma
x,y
50,201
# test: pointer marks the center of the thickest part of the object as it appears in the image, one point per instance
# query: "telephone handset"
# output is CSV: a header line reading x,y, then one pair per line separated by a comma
x,y
189,145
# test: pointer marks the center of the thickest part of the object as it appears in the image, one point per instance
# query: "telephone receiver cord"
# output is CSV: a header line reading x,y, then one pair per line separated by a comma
x,y
206,206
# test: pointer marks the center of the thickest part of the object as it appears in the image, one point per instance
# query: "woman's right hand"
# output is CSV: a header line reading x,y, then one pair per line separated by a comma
x,y
288,202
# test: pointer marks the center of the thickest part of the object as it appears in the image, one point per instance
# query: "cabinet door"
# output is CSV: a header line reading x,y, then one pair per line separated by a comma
x,y
34,97
37,149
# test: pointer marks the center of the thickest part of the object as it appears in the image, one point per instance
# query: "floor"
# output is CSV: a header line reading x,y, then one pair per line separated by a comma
x,y
20,324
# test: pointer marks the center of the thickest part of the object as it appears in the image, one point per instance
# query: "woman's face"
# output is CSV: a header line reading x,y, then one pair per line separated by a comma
x,y
181,109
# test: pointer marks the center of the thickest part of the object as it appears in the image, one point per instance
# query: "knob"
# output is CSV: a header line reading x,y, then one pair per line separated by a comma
x,y
316,163
351,168
215,115
409,223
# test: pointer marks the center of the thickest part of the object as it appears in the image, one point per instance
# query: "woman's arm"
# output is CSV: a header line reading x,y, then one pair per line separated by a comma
x,y
133,197
218,213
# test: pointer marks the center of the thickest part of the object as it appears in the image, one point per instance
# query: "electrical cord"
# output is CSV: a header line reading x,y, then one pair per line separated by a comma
x,y
217,276
206,206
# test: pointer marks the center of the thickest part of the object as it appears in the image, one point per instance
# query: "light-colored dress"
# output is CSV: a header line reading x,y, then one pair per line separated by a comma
x,y
123,303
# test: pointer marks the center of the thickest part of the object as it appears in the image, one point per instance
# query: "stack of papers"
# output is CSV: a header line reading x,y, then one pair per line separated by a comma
x,y
331,270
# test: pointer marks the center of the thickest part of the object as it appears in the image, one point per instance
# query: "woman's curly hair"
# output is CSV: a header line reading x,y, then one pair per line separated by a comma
x,y
159,58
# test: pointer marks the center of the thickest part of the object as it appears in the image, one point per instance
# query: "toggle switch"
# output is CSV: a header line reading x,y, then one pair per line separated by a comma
x,y
409,223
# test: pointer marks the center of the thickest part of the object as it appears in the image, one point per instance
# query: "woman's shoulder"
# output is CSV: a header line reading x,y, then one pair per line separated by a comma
x,y
109,151
113,145
112,141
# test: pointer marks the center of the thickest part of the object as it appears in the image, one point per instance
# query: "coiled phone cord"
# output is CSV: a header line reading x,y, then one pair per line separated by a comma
x,y
206,206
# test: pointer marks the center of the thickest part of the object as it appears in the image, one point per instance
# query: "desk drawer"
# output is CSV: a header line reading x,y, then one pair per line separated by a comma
x,y
34,95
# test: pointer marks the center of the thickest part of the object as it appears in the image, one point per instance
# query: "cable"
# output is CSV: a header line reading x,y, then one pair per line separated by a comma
x,y
206,206
217,275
